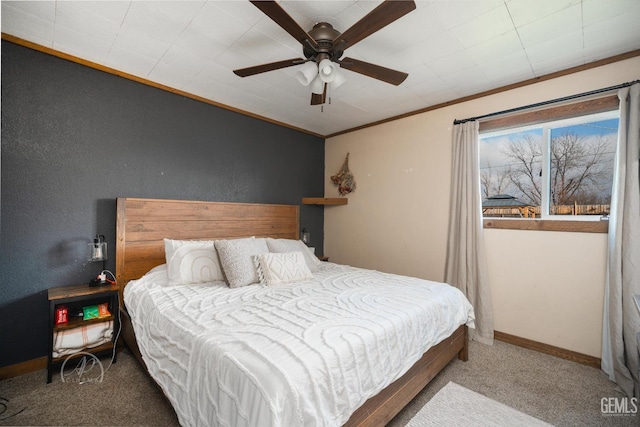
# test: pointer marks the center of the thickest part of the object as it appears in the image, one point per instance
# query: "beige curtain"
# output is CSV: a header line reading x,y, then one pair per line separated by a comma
x,y
621,321
466,264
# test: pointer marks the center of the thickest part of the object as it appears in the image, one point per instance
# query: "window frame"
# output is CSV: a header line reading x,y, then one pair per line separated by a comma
x,y
603,104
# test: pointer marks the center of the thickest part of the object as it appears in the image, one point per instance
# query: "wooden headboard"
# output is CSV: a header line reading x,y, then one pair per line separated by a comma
x,y
142,224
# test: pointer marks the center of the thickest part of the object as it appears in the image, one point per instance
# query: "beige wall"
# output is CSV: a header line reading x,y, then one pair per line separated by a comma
x,y
546,286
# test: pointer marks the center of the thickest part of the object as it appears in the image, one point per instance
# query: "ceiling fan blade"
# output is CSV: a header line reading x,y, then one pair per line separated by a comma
x,y
282,18
250,71
318,99
378,18
376,71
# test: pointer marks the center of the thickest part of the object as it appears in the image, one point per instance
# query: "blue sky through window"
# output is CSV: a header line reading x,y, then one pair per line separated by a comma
x,y
602,127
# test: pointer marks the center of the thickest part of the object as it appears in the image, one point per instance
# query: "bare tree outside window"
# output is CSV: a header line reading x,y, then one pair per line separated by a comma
x,y
581,168
494,182
580,157
524,170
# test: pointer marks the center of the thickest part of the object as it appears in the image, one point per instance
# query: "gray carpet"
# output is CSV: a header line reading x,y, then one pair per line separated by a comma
x,y
125,397
556,391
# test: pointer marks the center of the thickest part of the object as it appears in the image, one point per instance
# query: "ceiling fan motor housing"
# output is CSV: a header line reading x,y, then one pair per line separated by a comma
x,y
324,34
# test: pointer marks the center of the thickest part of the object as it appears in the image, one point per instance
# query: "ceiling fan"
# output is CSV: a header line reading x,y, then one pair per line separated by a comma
x,y
323,46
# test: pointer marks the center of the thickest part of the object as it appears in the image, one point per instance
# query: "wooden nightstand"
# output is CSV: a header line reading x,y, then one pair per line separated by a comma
x,y
75,298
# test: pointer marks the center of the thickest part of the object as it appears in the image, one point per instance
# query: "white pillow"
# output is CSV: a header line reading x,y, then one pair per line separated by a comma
x,y
236,257
276,268
191,261
290,245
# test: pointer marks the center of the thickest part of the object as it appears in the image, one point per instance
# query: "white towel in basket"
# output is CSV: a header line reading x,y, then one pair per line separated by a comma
x,y
69,341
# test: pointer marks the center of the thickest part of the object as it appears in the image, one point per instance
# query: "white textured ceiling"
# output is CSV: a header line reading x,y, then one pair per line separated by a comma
x,y
451,49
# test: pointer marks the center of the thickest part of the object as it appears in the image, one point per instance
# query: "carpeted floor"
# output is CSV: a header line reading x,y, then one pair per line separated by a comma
x,y
557,391
554,390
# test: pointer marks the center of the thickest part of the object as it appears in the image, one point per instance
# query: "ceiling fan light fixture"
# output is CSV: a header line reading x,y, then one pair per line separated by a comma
x,y
307,73
338,80
327,70
317,86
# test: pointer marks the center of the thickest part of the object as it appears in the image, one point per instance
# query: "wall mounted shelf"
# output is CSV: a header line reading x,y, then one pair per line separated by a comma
x,y
324,201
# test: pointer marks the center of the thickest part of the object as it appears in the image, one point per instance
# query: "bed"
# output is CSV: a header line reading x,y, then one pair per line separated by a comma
x,y
346,395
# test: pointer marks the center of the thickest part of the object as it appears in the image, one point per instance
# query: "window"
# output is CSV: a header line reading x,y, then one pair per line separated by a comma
x,y
558,169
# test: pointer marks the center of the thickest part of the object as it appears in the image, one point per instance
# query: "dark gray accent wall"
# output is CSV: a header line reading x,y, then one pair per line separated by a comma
x,y
75,138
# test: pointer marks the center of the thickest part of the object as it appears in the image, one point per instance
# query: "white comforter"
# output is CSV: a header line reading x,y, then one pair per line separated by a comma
x,y
302,354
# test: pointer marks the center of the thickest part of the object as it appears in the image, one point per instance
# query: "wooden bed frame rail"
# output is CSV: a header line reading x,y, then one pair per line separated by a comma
x,y
380,409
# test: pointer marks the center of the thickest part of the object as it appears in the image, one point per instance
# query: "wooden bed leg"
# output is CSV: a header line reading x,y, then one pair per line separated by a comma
x,y
463,354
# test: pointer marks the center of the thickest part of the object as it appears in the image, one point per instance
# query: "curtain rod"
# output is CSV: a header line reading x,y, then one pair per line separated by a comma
x,y
553,101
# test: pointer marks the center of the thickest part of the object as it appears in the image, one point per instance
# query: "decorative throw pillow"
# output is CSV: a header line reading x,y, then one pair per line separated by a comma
x,y
236,257
192,261
276,268
290,245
